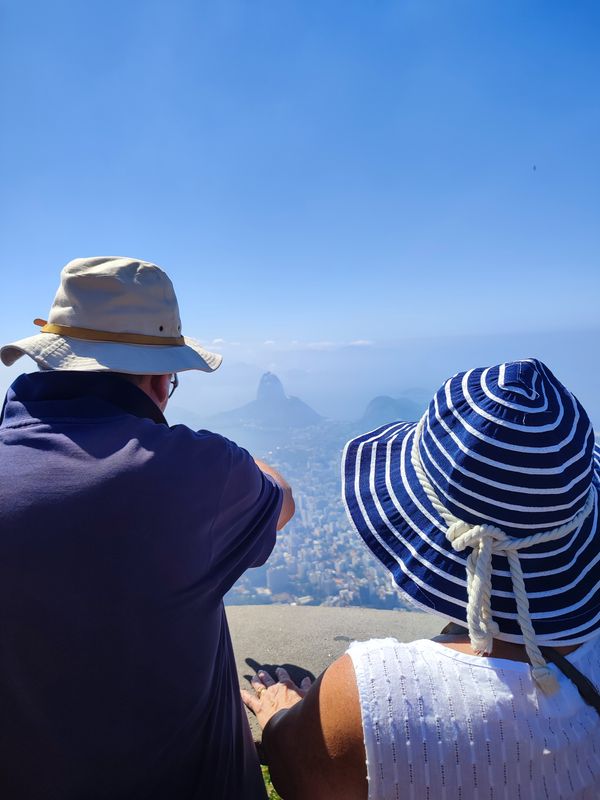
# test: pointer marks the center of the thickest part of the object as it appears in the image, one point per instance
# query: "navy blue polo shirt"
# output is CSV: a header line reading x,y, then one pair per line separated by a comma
x,y
118,538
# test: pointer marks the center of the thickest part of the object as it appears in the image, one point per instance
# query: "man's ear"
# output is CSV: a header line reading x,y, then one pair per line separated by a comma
x,y
159,386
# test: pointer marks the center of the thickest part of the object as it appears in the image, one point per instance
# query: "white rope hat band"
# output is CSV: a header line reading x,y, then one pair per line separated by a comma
x,y
485,540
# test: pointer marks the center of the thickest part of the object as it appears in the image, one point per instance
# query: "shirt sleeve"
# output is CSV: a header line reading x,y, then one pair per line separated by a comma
x,y
244,529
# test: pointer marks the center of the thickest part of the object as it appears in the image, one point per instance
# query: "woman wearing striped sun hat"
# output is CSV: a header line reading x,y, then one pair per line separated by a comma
x,y
486,514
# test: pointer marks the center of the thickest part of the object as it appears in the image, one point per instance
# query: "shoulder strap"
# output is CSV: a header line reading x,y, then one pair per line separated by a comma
x,y
586,688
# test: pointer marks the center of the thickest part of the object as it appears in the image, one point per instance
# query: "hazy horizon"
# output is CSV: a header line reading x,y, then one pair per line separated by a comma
x,y
339,381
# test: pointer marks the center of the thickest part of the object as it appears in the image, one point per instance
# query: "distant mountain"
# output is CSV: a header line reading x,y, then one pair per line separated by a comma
x,y
272,409
385,409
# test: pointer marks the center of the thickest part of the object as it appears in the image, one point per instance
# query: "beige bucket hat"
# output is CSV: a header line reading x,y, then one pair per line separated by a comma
x,y
115,314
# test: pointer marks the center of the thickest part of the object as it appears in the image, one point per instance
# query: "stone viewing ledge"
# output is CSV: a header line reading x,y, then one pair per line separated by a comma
x,y
308,638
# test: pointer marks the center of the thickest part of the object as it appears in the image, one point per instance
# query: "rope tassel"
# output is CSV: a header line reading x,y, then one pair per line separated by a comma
x,y
485,541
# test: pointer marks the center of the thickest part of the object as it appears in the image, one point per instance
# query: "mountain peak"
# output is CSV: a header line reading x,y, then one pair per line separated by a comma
x,y
270,389
272,409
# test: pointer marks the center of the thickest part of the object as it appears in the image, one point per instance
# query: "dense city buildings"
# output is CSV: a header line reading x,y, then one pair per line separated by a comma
x,y
318,558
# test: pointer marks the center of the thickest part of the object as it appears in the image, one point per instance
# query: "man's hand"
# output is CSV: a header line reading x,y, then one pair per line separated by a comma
x,y
288,507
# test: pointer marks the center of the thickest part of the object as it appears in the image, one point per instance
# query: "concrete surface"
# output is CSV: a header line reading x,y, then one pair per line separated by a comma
x,y
306,639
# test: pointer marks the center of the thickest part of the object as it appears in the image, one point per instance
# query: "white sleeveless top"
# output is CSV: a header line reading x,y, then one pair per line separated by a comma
x,y
442,725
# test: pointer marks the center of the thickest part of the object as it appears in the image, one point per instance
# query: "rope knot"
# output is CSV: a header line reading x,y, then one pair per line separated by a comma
x,y
462,535
455,534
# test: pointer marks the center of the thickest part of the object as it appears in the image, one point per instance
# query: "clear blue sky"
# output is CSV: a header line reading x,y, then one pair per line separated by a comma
x,y
310,172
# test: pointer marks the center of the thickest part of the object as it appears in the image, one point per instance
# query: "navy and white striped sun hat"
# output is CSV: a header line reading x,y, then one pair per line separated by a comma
x,y
486,511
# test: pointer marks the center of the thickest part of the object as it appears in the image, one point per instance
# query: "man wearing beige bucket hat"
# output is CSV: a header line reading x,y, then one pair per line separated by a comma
x,y
119,536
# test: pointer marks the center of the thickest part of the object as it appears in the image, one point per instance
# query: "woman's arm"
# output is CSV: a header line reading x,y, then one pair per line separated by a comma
x,y
315,748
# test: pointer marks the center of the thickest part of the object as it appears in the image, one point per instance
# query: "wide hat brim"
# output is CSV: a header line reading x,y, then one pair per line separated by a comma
x,y
52,351
391,512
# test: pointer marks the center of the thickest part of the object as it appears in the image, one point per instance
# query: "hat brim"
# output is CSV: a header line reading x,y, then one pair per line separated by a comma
x,y
51,351
391,512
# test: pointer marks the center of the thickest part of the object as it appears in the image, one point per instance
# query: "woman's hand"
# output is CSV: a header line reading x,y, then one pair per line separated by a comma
x,y
314,748
269,697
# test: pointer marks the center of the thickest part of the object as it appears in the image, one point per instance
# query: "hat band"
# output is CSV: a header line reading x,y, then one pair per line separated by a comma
x,y
92,335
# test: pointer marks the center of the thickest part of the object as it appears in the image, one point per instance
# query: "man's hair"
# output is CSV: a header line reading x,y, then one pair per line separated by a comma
x,y
135,379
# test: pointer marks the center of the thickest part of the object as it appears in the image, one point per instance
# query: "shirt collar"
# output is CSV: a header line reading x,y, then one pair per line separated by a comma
x,y
58,393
